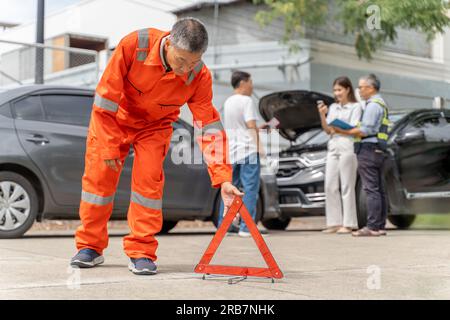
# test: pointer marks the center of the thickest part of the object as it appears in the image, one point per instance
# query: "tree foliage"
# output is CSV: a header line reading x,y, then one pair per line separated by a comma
x,y
372,23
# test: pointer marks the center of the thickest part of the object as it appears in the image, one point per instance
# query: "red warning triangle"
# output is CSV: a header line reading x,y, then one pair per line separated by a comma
x,y
273,271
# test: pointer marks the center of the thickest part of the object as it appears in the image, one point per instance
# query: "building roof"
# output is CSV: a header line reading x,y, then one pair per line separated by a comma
x,y
185,5
176,6
81,18
4,24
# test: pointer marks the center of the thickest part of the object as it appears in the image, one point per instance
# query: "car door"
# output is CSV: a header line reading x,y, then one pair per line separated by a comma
x,y
423,160
187,184
52,128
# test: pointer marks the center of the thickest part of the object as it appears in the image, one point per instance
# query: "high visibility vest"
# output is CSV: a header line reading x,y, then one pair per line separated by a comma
x,y
382,134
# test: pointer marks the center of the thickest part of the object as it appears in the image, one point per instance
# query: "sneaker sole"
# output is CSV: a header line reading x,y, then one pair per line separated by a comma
x,y
365,235
145,272
245,235
86,264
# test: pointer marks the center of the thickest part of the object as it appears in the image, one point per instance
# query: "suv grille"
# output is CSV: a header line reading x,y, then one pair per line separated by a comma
x,y
288,168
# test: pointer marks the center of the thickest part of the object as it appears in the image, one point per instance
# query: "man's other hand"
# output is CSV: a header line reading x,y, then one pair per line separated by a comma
x,y
228,192
114,164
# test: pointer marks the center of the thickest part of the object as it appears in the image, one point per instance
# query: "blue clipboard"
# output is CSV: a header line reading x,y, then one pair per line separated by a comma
x,y
340,124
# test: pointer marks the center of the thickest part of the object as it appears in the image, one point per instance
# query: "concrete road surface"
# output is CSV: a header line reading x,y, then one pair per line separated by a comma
x,y
413,264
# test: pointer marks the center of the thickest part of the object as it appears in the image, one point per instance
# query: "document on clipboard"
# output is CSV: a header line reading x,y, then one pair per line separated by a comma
x,y
340,124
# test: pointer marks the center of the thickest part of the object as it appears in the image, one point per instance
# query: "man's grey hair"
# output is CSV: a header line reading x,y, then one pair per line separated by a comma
x,y
189,34
373,81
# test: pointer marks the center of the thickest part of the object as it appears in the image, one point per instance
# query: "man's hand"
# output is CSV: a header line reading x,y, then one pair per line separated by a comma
x,y
228,192
114,164
332,131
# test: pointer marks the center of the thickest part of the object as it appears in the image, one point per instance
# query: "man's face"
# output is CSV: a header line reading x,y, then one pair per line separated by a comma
x,y
247,86
181,61
365,90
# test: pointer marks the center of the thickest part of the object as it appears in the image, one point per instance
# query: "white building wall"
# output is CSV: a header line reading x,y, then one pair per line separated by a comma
x,y
112,19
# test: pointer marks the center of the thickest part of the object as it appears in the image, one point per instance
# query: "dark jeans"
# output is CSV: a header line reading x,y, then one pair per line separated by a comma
x,y
370,169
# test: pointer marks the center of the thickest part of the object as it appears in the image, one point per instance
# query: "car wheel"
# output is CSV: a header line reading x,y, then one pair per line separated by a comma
x,y
276,223
402,221
167,226
361,201
235,225
18,205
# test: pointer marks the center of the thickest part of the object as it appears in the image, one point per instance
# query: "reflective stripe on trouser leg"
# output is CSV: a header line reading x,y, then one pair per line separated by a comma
x,y
144,221
145,214
99,185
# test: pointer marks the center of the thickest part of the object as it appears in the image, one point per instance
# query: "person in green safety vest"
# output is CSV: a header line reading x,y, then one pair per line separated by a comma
x,y
371,135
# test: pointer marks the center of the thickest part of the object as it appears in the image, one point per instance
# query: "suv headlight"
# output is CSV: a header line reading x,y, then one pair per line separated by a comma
x,y
269,165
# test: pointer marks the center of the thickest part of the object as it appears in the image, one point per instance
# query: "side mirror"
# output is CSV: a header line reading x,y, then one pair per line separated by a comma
x,y
410,136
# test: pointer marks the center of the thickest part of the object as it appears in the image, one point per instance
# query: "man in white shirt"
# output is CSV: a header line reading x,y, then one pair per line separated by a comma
x,y
243,137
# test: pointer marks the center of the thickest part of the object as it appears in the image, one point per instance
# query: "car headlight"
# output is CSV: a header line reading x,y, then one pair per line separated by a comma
x,y
269,165
313,159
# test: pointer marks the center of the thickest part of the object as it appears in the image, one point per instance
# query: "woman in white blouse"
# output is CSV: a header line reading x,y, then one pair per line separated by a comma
x,y
341,166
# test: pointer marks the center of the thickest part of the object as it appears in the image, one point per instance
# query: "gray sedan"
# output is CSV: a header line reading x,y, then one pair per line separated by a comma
x,y
43,134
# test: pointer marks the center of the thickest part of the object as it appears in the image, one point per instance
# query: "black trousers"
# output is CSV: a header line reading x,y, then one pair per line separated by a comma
x,y
370,168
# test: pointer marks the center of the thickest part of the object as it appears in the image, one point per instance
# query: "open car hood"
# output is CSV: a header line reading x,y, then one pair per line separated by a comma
x,y
296,110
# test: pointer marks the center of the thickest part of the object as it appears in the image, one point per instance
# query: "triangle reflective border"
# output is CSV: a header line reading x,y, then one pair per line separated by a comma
x,y
273,271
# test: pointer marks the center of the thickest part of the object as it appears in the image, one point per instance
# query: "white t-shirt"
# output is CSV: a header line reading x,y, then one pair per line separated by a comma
x,y
239,109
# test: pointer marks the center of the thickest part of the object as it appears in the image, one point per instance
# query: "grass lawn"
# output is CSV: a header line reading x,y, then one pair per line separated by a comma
x,y
438,221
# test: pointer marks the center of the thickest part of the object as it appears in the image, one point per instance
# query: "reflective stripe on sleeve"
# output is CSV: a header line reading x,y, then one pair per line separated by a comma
x,y
142,44
106,104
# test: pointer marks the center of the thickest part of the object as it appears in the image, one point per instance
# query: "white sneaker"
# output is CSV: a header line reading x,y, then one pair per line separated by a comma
x,y
244,234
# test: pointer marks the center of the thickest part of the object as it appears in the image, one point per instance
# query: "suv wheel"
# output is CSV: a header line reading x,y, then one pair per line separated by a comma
x,y
235,225
167,226
402,221
18,205
361,209
276,223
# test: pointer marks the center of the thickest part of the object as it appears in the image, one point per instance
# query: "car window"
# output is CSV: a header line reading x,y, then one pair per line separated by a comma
x,y
70,109
394,118
424,121
321,138
29,108
5,110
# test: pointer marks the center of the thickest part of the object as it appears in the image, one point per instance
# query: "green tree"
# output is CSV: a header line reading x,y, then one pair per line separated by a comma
x,y
372,22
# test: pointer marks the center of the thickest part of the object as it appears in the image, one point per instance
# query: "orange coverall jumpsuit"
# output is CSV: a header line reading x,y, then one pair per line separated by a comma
x,y
135,103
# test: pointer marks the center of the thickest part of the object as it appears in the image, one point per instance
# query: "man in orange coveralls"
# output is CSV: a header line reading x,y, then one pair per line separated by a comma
x,y
151,74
